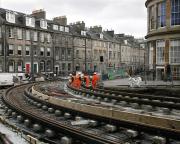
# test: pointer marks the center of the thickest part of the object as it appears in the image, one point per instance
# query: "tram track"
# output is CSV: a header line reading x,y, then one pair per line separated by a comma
x,y
146,99
137,125
30,107
16,103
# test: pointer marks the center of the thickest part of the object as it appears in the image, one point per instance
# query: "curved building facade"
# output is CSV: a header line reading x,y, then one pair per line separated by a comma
x,y
163,37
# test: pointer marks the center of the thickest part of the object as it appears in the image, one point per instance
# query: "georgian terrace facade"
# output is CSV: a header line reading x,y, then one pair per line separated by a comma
x,y
27,40
30,43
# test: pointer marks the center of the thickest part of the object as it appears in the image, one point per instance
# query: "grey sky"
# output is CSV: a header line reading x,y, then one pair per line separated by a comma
x,y
124,16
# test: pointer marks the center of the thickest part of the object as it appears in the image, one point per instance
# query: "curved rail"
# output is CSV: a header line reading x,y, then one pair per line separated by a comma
x,y
14,102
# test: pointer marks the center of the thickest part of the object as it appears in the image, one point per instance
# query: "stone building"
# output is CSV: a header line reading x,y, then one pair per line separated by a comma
x,y
27,40
33,44
132,52
102,49
62,46
163,36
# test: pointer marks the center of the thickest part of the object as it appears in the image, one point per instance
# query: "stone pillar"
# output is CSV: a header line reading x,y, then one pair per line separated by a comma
x,y
168,13
166,52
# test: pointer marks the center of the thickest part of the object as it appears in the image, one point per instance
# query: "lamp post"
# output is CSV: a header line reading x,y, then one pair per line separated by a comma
x,y
85,56
32,57
3,31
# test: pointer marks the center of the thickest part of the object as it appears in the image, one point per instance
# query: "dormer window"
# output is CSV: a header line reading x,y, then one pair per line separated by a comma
x,y
43,24
83,33
30,21
66,29
61,28
55,27
101,36
10,17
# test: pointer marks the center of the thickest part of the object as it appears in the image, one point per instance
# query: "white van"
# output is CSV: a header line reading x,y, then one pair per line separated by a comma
x,y
6,79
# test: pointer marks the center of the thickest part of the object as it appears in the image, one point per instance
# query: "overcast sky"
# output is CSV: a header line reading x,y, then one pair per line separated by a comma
x,y
123,16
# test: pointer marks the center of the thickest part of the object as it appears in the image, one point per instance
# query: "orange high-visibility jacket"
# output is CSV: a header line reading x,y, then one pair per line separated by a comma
x,y
95,79
77,81
72,80
87,80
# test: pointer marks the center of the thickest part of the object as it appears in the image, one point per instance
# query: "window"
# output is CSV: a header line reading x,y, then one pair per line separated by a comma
x,y
55,27
35,36
10,32
69,52
174,52
20,65
110,55
83,33
161,14
19,33
175,12
69,66
56,53
42,51
48,52
30,21
0,32
11,66
160,45
1,66
42,37
10,17
42,66
48,65
77,53
151,55
63,66
101,36
63,53
61,28
11,49
27,50
1,51
35,51
27,35
48,38
114,55
66,29
152,17
43,24
19,52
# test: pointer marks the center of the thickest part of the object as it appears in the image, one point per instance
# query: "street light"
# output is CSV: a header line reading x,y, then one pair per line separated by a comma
x,y
32,57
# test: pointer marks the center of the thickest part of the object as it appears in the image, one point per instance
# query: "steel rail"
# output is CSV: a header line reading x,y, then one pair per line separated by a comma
x,y
145,100
75,133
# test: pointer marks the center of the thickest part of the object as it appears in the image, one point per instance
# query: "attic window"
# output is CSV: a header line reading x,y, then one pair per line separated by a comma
x,y
55,27
30,21
66,29
101,36
43,24
10,17
61,28
83,33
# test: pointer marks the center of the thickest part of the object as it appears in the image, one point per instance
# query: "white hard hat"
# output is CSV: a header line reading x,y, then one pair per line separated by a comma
x,y
95,73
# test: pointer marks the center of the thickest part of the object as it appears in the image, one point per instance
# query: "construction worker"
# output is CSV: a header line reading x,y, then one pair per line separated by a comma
x,y
71,79
86,79
95,79
77,81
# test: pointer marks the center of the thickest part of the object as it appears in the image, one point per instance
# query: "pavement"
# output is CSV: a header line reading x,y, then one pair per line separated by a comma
x,y
124,82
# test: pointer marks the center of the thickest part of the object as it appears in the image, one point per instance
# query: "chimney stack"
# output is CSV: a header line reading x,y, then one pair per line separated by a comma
x,y
61,20
39,14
